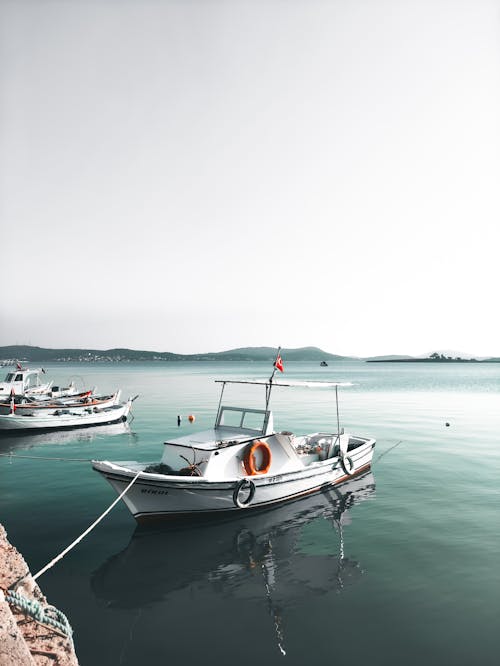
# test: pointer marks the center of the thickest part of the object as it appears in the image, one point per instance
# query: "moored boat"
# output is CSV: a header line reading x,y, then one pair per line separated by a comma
x,y
29,407
66,417
239,464
27,382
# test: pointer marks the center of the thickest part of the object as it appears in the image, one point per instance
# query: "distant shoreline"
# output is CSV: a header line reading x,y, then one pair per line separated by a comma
x,y
12,354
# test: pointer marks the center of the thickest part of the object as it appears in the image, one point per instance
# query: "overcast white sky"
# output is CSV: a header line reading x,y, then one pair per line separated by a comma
x,y
199,175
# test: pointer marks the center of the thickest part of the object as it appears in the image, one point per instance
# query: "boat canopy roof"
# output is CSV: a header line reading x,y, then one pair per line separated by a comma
x,y
298,383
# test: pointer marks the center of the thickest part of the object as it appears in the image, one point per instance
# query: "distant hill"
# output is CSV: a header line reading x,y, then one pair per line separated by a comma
x,y
249,354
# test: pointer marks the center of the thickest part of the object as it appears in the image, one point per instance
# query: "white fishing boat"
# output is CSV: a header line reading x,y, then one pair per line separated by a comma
x,y
241,463
66,417
27,382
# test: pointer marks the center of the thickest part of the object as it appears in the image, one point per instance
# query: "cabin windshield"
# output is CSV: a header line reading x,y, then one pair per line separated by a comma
x,y
242,419
31,381
10,377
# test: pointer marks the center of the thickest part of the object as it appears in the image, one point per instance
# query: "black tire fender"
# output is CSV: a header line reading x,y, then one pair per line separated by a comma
x,y
347,465
243,484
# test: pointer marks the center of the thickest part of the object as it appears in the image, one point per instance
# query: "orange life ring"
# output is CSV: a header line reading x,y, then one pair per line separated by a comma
x,y
250,462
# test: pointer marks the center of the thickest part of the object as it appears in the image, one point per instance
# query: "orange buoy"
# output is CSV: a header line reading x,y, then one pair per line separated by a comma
x,y
191,418
252,467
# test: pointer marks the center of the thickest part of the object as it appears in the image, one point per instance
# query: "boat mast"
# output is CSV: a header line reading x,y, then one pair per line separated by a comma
x,y
270,385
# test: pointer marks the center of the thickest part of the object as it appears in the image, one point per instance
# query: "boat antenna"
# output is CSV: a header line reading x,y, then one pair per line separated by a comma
x,y
277,365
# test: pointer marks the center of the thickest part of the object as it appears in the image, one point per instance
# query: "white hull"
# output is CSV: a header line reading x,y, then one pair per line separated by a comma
x,y
67,418
157,495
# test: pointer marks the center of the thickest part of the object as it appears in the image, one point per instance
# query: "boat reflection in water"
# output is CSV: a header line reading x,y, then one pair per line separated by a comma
x,y
22,440
276,554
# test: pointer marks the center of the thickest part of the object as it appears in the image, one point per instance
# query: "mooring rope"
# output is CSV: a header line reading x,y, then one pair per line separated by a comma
x,y
14,455
387,451
48,615
89,529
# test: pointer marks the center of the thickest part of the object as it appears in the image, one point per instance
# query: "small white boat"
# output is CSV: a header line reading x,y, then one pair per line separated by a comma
x,y
66,417
23,406
241,463
27,382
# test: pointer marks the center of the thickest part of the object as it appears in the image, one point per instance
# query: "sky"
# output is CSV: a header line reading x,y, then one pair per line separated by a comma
x,y
200,175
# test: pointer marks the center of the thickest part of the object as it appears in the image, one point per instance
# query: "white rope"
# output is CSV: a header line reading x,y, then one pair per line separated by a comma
x,y
387,451
89,529
14,455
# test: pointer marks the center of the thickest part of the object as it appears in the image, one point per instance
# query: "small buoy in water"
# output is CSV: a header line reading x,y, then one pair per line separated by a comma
x,y
179,419
447,424
191,418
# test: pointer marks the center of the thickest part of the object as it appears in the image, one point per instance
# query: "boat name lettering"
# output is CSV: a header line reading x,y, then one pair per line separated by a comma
x,y
150,491
275,479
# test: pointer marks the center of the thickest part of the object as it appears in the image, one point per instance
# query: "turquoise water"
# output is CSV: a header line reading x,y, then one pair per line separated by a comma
x,y
402,568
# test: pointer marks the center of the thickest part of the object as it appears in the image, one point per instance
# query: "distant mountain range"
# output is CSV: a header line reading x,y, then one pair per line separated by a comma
x,y
29,354
247,354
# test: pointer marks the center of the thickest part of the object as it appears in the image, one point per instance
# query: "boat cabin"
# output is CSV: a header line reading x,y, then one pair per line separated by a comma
x,y
221,451
23,381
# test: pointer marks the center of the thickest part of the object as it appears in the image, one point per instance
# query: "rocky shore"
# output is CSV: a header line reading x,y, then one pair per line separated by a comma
x,y
23,640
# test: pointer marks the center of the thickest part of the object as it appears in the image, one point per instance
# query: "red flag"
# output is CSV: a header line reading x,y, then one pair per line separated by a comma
x,y
278,363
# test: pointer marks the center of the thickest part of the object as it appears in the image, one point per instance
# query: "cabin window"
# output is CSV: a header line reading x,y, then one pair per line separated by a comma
x,y
231,418
19,378
10,377
235,417
253,421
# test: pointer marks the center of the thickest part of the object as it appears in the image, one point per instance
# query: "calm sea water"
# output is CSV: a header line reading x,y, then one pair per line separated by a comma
x,y
399,567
